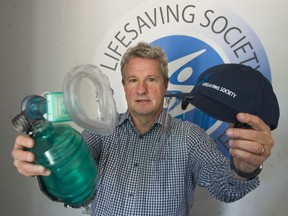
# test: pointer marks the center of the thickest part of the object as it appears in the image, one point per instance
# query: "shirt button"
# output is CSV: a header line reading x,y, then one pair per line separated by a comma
x,y
141,136
136,164
131,194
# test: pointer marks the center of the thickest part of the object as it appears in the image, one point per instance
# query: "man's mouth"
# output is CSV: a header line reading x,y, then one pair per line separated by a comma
x,y
142,100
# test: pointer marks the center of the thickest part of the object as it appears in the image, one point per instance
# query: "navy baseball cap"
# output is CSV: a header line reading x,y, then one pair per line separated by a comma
x,y
224,90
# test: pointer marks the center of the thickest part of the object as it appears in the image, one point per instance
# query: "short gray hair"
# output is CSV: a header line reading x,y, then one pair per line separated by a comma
x,y
144,50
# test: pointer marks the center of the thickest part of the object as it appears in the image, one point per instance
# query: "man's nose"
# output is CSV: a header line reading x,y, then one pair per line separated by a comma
x,y
142,88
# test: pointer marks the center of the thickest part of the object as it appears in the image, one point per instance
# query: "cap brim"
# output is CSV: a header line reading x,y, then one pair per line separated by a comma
x,y
214,108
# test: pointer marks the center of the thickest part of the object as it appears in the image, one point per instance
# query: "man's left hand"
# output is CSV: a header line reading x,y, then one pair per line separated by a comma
x,y
250,147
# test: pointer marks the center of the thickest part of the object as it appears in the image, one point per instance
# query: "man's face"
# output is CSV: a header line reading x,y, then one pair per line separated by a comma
x,y
144,87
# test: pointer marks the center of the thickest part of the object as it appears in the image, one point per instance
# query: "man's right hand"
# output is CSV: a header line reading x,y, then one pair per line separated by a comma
x,y
23,160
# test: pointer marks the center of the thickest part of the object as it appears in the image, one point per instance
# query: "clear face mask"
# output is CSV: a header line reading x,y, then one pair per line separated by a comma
x,y
89,99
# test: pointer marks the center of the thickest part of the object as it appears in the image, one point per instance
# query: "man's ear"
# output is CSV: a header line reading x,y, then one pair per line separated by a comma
x,y
166,83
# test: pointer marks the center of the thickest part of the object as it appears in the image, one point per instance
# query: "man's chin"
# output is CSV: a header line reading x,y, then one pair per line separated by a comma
x,y
143,111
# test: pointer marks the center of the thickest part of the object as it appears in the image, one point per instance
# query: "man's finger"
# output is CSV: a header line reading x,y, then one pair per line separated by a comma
x,y
254,121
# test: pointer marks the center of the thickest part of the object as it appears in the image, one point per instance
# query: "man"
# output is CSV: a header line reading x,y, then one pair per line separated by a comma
x,y
151,164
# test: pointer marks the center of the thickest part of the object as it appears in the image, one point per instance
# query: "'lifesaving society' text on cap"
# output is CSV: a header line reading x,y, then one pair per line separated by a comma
x,y
219,88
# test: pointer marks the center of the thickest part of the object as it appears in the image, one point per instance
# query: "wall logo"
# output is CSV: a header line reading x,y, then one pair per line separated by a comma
x,y
195,36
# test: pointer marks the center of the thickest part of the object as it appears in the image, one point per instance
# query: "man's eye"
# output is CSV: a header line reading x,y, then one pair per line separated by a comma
x,y
151,79
132,80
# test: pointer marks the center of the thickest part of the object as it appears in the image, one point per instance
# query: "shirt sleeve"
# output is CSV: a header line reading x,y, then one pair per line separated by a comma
x,y
94,143
211,169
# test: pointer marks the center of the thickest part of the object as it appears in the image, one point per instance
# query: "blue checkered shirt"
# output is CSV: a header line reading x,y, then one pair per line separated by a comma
x,y
134,180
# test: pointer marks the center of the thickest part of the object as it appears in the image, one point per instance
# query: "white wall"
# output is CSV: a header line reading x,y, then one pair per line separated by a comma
x,y
41,40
